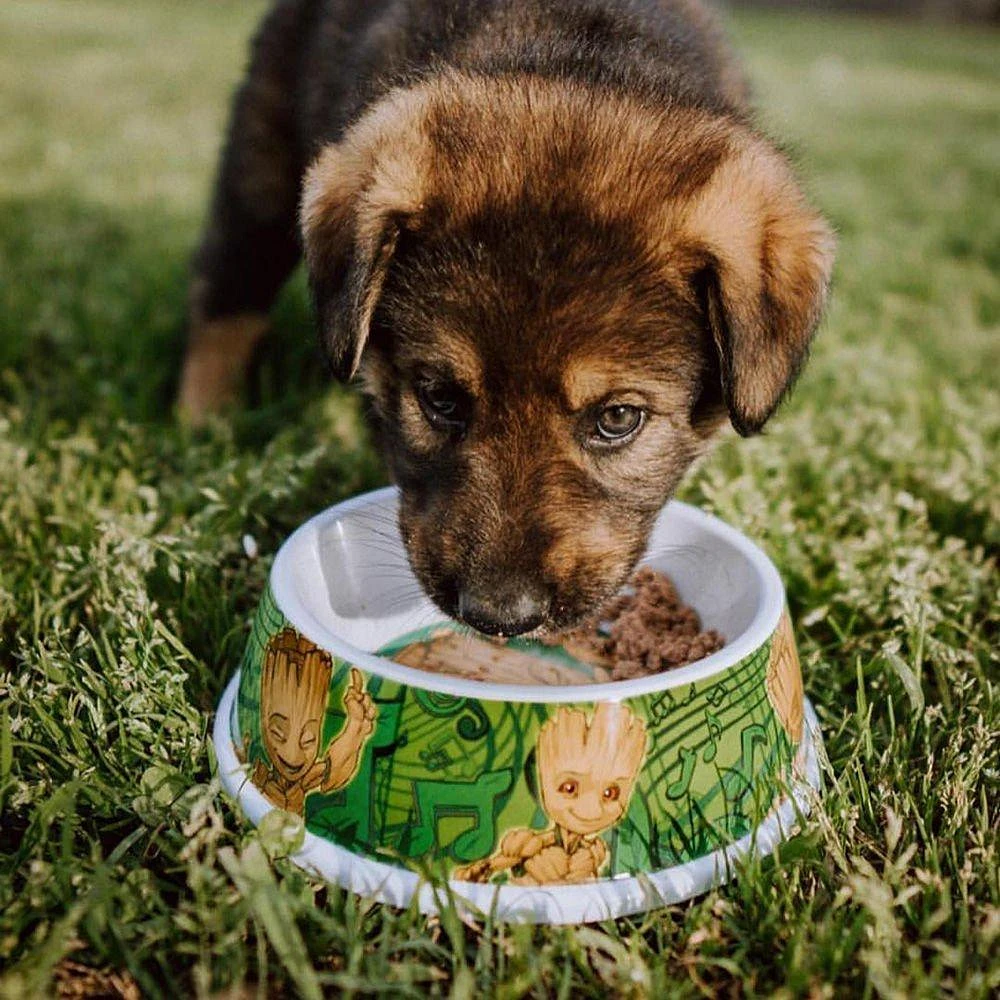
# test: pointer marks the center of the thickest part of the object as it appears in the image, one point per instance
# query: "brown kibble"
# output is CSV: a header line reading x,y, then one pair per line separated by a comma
x,y
641,632
650,630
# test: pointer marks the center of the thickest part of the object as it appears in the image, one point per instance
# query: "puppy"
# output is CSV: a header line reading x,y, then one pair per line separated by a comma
x,y
550,240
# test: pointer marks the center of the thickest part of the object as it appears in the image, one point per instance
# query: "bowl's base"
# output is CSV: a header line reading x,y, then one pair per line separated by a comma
x,y
559,904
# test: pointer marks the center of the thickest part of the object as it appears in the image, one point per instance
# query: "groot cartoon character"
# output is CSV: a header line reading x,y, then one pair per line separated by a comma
x,y
586,771
295,685
784,679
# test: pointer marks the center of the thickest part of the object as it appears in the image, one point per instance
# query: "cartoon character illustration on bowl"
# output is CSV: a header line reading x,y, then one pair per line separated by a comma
x,y
295,683
586,771
784,679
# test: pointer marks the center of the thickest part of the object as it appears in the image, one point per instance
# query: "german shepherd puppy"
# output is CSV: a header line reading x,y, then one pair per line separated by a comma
x,y
547,236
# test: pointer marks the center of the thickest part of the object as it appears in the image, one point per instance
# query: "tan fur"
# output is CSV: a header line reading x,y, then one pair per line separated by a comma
x,y
450,350
218,353
379,168
433,141
590,379
594,544
380,165
697,183
752,217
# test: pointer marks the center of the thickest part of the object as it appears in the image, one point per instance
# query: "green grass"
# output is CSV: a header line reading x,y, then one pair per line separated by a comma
x,y
125,590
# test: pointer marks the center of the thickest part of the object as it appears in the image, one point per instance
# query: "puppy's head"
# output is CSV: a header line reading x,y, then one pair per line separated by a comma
x,y
554,300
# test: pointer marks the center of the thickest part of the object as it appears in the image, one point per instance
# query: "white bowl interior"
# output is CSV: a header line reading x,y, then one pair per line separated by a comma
x,y
347,570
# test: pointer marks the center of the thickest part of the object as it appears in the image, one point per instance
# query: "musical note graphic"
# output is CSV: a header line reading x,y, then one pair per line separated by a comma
x,y
439,800
753,736
688,758
351,814
717,694
738,780
714,732
661,707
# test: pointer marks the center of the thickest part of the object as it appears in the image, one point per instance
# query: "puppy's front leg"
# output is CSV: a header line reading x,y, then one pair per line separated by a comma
x,y
218,354
250,244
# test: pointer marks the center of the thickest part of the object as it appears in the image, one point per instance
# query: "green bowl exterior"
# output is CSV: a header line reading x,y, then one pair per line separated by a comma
x,y
429,781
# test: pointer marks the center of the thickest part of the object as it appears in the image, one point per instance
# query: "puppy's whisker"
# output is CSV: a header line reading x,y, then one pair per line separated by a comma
x,y
386,536
688,553
385,550
375,516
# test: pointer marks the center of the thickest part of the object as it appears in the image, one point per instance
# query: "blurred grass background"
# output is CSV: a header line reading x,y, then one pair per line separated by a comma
x,y
125,588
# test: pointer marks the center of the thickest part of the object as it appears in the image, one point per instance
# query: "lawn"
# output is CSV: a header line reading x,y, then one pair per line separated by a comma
x,y
125,586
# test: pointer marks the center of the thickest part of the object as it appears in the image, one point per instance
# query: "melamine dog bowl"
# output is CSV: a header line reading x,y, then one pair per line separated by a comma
x,y
544,803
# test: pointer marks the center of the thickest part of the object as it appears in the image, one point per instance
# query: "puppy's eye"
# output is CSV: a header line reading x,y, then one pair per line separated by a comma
x,y
618,423
444,406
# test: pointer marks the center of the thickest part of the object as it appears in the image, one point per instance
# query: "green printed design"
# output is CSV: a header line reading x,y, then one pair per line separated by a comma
x,y
430,785
446,779
717,752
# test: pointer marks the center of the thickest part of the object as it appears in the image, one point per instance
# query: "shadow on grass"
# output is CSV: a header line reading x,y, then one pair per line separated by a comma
x,y
92,321
92,330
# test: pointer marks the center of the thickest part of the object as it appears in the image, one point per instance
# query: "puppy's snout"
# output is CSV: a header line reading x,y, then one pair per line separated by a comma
x,y
506,612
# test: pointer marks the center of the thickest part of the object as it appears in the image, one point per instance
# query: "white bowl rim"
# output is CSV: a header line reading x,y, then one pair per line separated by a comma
x,y
761,627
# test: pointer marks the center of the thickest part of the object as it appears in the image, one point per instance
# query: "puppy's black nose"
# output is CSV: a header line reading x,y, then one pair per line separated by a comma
x,y
500,615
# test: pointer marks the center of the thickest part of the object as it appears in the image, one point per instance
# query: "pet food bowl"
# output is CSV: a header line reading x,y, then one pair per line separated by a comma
x,y
556,804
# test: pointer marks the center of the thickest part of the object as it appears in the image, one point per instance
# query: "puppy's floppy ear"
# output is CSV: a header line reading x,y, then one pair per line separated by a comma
x,y
356,197
766,259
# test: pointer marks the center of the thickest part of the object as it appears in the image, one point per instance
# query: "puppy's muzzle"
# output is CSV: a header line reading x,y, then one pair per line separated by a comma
x,y
508,611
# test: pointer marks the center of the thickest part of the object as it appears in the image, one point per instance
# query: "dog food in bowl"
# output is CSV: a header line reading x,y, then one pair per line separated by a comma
x,y
643,631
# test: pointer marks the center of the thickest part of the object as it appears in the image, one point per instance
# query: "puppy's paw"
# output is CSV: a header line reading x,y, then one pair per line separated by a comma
x,y
218,354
